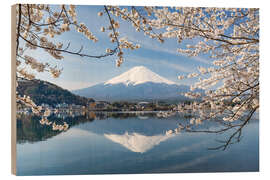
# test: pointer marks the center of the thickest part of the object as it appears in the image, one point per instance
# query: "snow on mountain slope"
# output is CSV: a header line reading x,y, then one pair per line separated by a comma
x,y
138,75
137,142
138,83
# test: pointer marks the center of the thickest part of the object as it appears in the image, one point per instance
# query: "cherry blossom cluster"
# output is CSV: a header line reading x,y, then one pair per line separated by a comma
x,y
35,65
60,127
230,36
114,35
140,22
22,72
37,25
37,110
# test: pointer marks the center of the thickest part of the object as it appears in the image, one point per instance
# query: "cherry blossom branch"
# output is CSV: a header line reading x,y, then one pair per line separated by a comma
x,y
238,131
112,25
69,52
52,23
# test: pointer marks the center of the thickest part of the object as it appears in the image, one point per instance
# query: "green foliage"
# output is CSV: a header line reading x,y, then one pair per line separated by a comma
x,y
48,93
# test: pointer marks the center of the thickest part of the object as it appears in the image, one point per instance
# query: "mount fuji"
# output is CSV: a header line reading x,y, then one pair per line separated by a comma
x,y
138,83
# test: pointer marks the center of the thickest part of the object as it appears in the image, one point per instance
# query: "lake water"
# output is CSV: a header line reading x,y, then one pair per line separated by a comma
x,y
130,143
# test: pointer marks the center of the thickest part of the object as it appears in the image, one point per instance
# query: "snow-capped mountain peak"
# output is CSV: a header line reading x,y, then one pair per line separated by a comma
x,y
138,83
138,75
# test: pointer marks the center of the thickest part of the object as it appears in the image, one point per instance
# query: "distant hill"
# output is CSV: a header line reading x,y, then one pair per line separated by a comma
x,y
48,93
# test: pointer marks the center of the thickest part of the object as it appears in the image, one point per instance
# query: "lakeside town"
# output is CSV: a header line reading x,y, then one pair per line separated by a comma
x,y
63,109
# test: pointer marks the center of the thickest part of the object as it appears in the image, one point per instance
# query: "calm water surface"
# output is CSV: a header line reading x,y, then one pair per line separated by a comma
x,y
130,144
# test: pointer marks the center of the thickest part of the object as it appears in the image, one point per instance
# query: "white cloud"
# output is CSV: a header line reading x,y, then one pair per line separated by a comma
x,y
167,64
177,67
154,45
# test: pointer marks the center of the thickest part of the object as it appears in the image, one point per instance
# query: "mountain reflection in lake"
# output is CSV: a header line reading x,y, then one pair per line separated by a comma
x,y
99,143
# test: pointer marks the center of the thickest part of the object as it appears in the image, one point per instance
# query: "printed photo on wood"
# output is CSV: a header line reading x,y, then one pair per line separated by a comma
x,y
134,89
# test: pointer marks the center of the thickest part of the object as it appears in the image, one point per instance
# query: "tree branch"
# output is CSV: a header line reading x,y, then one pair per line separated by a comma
x,y
70,52
114,32
18,27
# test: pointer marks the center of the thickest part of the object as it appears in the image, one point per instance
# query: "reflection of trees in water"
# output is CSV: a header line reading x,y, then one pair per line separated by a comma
x,y
30,130
231,130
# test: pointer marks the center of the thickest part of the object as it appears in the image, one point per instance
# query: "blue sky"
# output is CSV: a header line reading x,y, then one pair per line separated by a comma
x,y
81,72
